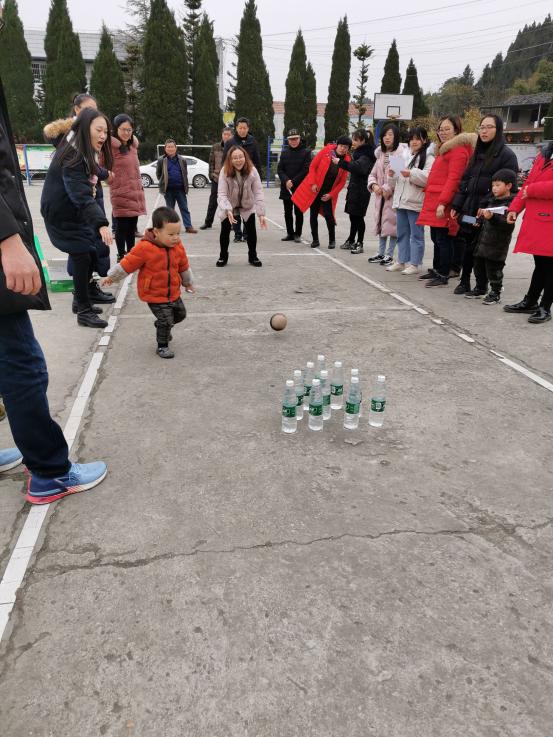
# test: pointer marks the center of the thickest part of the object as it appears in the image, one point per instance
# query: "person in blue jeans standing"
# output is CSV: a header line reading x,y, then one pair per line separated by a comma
x,y
23,372
172,175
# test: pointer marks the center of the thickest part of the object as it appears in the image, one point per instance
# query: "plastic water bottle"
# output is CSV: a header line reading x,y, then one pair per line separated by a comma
x,y
325,386
308,377
289,420
321,365
316,406
337,386
298,386
355,372
351,413
378,403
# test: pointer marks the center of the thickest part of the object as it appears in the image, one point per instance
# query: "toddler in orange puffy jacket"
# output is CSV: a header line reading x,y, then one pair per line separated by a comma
x,y
163,269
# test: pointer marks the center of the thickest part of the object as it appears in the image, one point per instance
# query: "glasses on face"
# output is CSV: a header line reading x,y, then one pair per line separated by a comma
x,y
125,130
445,130
486,127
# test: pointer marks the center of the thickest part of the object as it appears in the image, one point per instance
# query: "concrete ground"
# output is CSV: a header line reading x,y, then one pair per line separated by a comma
x,y
227,580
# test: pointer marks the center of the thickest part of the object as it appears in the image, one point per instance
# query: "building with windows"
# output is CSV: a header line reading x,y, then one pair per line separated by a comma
x,y
522,116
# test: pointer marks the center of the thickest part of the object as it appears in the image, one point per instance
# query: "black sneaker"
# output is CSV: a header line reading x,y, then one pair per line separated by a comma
x,y
430,274
524,307
437,281
89,319
357,248
332,244
540,315
462,288
375,259
287,238
386,261
205,226
97,296
346,245
315,244
165,352
475,293
492,298
255,262
75,308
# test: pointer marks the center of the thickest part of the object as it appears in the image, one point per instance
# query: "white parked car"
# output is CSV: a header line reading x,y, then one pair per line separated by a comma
x,y
198,173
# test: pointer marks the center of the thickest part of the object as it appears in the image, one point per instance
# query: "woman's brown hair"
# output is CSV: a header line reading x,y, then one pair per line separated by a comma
x,y
455,121
229,169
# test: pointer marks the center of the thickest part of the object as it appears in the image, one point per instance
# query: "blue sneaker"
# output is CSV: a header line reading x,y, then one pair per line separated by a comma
x,y
80,477
9,458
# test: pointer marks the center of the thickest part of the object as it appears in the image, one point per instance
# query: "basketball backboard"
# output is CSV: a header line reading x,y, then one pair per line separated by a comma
x,y
393,107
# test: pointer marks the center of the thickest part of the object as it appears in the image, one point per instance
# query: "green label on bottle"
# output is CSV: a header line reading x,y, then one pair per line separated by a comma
x,y
288,411
299,400
315,410
337,389
326,399
352,409
307,390
378,405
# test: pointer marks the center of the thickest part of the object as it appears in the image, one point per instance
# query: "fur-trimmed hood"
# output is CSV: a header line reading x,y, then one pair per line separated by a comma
x,y
56,128
461,139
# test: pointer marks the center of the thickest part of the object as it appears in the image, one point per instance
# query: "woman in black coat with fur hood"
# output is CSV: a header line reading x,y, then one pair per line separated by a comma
x,y
357,196
490,155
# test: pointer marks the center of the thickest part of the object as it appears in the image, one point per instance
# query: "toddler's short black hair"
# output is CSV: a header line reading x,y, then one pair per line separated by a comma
x,y
507,176
163,215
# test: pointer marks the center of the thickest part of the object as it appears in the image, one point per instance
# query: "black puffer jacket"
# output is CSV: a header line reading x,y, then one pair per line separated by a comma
x,y
496,233
15,217
476,183
357,196
293,164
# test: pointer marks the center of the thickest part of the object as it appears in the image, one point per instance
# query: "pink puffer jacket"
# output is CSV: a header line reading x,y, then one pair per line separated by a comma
x,y
127,193
384,213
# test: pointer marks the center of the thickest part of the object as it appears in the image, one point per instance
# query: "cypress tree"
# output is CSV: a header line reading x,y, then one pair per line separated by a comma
x,y
467,77
391,81
106,81
254,99
17,76
294,101
206,115
337,107
363,54
165,79
65,73
411,87
548,127
310,115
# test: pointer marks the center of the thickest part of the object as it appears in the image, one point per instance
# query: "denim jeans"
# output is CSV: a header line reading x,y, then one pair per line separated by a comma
x,y
382,245
178,196
23,385
410,238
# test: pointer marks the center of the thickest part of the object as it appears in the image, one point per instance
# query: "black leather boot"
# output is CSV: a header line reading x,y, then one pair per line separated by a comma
x,y
524,306
89,319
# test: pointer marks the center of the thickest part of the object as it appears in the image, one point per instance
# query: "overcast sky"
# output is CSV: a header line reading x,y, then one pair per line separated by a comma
x,y
441,41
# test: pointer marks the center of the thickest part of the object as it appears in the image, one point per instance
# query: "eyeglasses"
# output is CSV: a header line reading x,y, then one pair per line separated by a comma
x,y
445,130
486,127
126,130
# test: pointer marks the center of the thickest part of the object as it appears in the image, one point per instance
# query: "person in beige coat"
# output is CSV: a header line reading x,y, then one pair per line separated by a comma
x,y
240,192
409,187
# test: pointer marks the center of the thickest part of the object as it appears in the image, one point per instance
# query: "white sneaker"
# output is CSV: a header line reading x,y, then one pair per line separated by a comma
x,y
395,267
411,270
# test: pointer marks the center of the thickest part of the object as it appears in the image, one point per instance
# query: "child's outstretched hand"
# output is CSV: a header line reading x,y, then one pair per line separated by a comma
x,y
107,281
190,289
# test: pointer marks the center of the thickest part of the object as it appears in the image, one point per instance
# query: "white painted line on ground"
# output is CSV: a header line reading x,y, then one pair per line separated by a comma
x,y
25,545
465,337
401,299
499,355
420,310
437,321
529,374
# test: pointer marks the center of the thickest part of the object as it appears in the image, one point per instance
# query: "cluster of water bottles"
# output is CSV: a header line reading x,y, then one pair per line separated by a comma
x,y
319,392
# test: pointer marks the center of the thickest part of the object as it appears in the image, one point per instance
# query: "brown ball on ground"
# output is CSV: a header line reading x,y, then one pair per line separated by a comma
x,y
278,321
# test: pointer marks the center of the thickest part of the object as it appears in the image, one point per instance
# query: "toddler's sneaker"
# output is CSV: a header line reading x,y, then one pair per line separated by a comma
x,y
375,259
474,293
165,352
9,458
492,298
386,261
80,477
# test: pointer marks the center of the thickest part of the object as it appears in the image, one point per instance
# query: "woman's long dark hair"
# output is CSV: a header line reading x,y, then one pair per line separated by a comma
x,y
547,151
419,159
489,149
78,101
79,148
395,130
228,166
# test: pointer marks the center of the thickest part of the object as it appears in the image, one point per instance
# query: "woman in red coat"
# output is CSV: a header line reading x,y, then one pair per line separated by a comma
x,y
536,236
320,189
452,155
127,193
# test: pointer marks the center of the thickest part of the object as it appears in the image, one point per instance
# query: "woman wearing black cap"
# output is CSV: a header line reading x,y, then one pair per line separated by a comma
x,y
127,193
292,169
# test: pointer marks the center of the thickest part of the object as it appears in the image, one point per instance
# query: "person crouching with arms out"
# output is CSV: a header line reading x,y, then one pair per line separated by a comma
x,y
163,268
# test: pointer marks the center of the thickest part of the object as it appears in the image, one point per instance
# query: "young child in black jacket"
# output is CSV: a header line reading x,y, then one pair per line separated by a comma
x,y
492,246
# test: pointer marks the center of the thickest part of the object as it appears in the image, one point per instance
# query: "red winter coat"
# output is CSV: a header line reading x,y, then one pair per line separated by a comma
x,y
536,232
126,190
443,181
303,197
